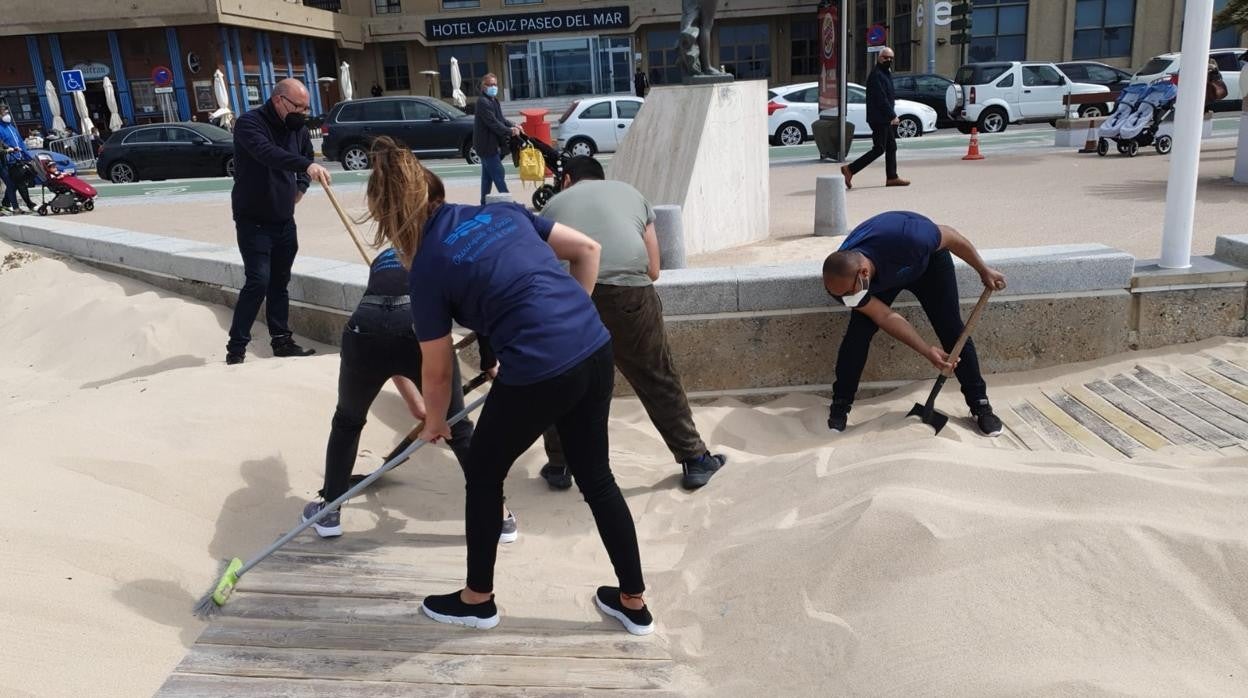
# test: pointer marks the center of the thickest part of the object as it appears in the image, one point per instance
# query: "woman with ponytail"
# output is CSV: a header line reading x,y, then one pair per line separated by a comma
x,y
496,270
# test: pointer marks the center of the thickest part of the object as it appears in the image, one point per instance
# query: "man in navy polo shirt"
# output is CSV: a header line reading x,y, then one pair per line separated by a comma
x,y
889,253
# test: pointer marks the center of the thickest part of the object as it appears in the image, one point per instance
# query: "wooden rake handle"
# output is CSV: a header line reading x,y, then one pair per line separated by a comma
x,y
970,324
355,236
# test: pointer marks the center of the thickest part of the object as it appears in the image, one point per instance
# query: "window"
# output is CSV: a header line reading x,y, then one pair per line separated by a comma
x,y
23,102
1227,61
809,95
523,2
998,31
601,110
1103,28
1075,71
1226,37
627,108
182,136
932,86
414,110
146,136
385,110
1007,81
1039,76
903,83
1098,75
664,54
472,67
745,50
857,95
460,4
394,66
804,46
387,7
143,95
899,36
251,84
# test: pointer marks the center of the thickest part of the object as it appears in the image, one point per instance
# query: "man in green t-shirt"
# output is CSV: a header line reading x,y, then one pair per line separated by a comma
x,y
620,219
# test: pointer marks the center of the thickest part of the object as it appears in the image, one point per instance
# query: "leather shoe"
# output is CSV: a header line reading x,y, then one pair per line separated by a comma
x,y
848,175
897,182
289,348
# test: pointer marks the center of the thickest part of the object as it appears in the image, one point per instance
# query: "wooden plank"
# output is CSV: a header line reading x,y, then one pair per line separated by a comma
x,y
363,565
1193,404
1060,440
1227,386
1172,432
267,581
1214,397
1173,412
1231,370
1094,423
214,686
363,545
1066,423
478,669
1031,440
1117,417
431,637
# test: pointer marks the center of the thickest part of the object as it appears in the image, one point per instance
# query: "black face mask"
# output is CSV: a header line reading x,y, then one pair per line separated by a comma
x,y
887,65
295,120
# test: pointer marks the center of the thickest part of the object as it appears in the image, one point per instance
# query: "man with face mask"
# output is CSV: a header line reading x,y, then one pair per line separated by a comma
x,y
882,119
490,131
273,167
902,251
12,155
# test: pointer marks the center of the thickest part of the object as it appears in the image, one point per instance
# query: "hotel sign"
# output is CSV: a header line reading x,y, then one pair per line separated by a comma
x,y
587,20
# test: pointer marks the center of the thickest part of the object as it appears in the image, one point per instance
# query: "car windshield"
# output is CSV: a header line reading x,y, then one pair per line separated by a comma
x,y
979,74
1155,66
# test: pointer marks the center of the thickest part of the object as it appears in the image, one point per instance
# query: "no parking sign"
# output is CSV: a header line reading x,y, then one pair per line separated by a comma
x,y
877,37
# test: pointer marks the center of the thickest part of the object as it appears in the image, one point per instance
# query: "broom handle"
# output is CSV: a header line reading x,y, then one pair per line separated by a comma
x,y
355,237
414,434
970,326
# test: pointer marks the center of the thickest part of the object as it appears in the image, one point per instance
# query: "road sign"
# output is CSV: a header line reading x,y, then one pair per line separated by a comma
x,y
162,76
72,81
960,9
163,90
877,35
959,25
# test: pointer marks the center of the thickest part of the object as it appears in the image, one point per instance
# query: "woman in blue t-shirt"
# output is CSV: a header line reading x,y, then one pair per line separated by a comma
x,y
495,270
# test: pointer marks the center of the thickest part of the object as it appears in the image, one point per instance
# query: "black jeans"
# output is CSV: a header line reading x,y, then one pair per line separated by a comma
x,y
883,142
268,251
937,291
17,175
378,343
578,403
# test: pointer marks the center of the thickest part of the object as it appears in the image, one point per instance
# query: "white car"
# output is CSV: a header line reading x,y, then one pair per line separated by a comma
x,y
1167,64
793,110
992,96
597,125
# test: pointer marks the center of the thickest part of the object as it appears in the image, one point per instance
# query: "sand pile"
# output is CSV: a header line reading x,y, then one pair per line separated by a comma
x,y
882,562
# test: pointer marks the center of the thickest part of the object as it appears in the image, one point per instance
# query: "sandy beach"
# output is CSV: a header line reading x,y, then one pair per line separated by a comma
x,y
883,561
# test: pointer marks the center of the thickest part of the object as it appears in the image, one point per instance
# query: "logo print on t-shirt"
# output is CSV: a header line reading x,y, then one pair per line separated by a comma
x,y
474,236
467,227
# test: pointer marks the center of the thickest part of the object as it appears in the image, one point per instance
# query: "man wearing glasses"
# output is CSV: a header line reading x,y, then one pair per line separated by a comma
x,y
273,167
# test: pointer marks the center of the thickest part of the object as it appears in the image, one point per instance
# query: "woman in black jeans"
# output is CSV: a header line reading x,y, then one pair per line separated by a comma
x,y
379,344
493,269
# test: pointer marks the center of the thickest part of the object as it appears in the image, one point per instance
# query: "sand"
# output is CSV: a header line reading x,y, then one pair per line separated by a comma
x,y
880,562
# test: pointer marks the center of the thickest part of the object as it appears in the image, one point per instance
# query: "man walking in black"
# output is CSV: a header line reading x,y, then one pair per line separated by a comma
x,y
883,122
273,166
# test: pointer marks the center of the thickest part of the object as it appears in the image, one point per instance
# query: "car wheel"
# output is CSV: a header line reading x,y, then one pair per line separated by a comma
x,y
790,133
229,166
1163,145
993,121
470,154
909,127
122,172
355,158
581,146
1092,111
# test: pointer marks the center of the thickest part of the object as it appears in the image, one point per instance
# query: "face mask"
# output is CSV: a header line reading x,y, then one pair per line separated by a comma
x,y
295,120
491,91
7,118
853,299
887,65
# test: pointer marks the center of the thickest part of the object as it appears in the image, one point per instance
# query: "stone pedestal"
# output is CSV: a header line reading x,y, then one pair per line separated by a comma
x,y
830,216
703,148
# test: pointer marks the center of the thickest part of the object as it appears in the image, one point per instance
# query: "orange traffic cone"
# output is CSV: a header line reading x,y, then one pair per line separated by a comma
x,y
1089,143
972,153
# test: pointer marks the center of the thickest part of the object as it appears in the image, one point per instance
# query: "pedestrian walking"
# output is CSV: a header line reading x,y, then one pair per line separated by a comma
x,y
490,133
882,118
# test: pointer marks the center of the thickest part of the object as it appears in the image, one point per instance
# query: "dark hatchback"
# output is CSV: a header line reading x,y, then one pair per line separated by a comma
x,y
926,89
1095,73
167,151
428,127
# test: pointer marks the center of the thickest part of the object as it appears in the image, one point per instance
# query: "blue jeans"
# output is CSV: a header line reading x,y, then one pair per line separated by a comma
x,y
492,173
268,251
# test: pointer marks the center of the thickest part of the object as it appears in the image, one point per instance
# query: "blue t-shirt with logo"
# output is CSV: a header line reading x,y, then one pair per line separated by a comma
x,y
489,269
899,243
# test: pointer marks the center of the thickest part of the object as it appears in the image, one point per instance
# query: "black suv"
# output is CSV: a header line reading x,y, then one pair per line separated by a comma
x,y
429,127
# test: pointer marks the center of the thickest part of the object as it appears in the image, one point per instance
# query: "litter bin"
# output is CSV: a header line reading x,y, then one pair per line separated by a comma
x,y
828,138
535,124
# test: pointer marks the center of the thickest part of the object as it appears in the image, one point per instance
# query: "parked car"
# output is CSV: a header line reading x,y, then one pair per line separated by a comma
x,y
597,125
167,151
991,96
929,89
792,110
429,127
1167,64
1093,73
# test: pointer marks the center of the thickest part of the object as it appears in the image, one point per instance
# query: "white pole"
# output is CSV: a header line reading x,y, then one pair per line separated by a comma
x,y
929,34
1189,116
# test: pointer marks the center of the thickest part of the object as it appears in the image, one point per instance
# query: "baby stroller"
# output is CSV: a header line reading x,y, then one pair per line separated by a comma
x,y
555,160
1146,124
68,192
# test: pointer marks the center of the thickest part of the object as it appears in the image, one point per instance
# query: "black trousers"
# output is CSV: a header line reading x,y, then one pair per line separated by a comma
x,y
17,174
268,251
377,343
883,142
578,403
937,291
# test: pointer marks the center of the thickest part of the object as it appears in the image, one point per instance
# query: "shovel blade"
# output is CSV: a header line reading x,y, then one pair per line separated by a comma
x,y
934,419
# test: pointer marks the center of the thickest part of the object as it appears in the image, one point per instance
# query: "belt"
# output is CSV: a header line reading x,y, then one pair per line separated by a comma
x,y
374,299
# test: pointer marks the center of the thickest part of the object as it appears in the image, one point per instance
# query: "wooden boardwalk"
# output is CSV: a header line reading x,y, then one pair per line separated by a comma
x,y
1201,409
331,619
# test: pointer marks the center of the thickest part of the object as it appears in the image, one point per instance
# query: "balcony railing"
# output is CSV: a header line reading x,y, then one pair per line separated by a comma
x,y
331,5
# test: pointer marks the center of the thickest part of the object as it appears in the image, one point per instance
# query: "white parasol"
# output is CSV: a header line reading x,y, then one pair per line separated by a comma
x,y
54,104
223,100
344,82
457,81
84,114
114,119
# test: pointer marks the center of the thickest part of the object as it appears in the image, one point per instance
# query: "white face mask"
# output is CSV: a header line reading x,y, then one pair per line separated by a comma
x,y
7,118
853,299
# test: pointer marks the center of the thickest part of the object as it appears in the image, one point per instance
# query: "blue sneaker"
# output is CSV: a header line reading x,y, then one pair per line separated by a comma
x,y
330,525
698,471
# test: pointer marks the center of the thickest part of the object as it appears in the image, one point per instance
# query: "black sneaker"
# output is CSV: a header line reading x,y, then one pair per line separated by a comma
x,y
838,415
989,423
232,359
330,525
557,476
636,622
289,348
698,471
449,608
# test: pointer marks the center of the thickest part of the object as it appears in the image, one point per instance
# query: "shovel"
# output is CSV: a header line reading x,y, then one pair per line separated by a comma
x,y
927,412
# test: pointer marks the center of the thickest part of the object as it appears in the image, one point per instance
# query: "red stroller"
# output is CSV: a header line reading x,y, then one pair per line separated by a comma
x,y
69,193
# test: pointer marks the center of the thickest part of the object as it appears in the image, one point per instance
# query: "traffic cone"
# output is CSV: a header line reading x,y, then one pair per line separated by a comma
x,y
1089,143
972,153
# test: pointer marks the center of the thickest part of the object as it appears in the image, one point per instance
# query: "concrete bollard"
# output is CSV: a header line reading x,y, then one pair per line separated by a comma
x,y
671,234
830,218
499,198
1241,152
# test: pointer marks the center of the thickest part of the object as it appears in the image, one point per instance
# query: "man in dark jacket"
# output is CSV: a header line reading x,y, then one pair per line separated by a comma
x,y
883,122
273,166
641,83
490,130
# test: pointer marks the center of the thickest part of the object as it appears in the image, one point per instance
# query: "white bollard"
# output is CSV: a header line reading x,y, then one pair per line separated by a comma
x,y
1241,151
671,233
498,198
830,216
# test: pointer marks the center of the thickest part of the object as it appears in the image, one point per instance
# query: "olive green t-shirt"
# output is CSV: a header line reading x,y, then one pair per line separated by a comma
x,y
615,215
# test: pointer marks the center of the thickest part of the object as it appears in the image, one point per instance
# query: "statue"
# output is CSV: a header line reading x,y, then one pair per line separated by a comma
x,y
697,20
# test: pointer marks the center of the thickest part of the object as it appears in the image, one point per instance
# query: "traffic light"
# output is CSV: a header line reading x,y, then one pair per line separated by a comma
x,y
961,24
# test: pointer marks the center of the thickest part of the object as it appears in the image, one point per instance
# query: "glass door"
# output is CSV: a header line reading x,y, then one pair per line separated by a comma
x,y
566,67
615,65
520,71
